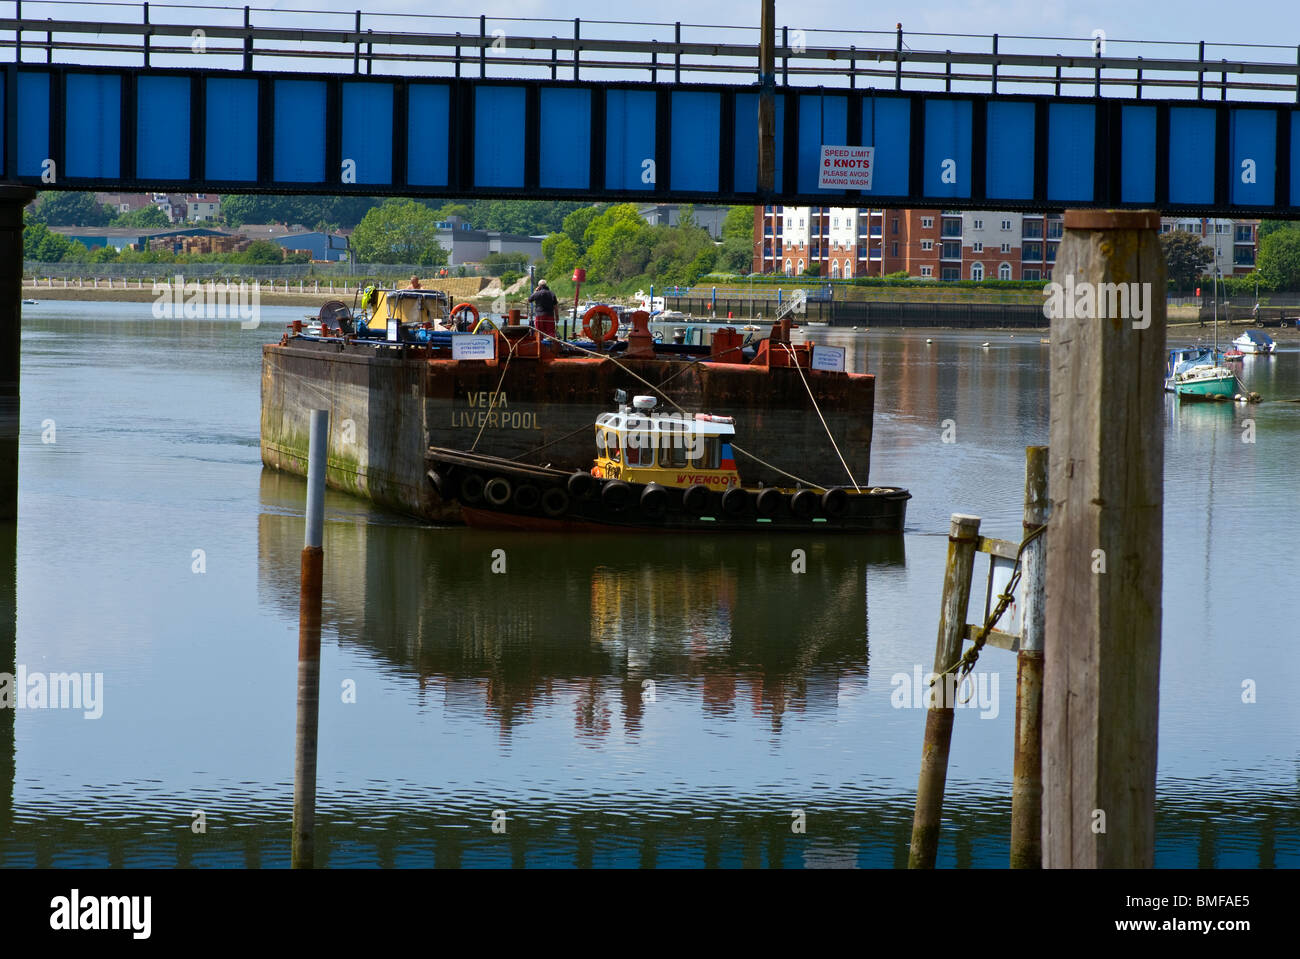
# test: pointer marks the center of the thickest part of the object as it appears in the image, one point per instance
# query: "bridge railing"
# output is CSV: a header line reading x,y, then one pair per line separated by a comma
x,y
163,35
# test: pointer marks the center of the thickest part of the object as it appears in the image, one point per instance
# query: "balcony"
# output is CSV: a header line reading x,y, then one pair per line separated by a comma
x,y
950,228
1031,230
1243,256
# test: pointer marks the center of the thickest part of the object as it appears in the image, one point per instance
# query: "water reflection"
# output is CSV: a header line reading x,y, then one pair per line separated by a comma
x,y
602,617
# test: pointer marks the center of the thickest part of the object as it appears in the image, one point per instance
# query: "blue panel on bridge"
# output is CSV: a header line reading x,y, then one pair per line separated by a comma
x,y
745,167
1191,155
823,121
499,117
94,126
1295,158
33,122
367,109
428,119
162,143
1252,153
1138,154
564,160
1071,151
1009,165
697,129
299,134
887,126
630,125
947,148
232,120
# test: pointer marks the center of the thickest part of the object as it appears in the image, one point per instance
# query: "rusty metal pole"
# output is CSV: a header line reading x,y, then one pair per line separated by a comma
x,y
962,540
767,101
309,617
1027,765
1101,670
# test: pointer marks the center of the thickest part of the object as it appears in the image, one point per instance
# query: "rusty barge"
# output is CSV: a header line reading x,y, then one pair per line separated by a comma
x,y
532,398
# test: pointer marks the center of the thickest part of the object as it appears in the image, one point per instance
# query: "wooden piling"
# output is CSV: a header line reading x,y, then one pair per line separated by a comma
x,y
309,619
767,99
1102,642
1027,764
962,539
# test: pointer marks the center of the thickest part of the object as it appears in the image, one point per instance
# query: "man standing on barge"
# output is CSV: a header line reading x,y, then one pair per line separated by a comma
x,y
545,302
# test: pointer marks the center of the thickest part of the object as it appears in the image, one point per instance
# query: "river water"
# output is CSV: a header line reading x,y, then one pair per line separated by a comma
x,y
607,701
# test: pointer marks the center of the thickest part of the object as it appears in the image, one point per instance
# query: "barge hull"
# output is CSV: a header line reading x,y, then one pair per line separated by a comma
x,y
389,405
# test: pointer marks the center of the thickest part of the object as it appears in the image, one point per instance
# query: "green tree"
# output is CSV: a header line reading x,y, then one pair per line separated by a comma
x,y
104,254
238,209
448,210
146,217
617,244
739,224
813,269
1186,258
1267,227
736,255
263,251
399,231
560,253
76,253
70,209
42,244
574,226
1279,260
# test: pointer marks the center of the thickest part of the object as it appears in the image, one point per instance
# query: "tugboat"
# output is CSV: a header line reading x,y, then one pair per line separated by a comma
x,y
654,470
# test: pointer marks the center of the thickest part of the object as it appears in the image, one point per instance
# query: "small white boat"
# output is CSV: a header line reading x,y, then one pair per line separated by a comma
x,y
1255,341
30,302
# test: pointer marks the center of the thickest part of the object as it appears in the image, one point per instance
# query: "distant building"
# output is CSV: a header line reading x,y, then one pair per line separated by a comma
x,y
297,238
709,217
202,207
1234,243
124,202
466,245
125,237
320,245
948,244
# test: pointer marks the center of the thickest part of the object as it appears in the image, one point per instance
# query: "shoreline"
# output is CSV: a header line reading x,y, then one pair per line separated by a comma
x,y
1178,318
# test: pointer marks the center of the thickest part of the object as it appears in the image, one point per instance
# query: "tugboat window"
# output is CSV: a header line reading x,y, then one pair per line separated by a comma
x,y
640,452
672,449
712,451
613,446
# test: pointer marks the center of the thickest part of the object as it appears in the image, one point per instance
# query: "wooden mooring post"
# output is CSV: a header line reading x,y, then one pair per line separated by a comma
x,y
1024,637
1102,646
1027,764
962,538
309,619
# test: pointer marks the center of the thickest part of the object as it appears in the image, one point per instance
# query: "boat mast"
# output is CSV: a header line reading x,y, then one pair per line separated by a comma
x,y
1215,287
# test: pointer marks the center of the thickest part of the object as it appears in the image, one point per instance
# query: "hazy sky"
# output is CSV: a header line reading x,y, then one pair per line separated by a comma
x,y
1268,21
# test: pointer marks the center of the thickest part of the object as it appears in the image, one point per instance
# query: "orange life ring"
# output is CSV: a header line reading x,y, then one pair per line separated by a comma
x,y
462,307
606,311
